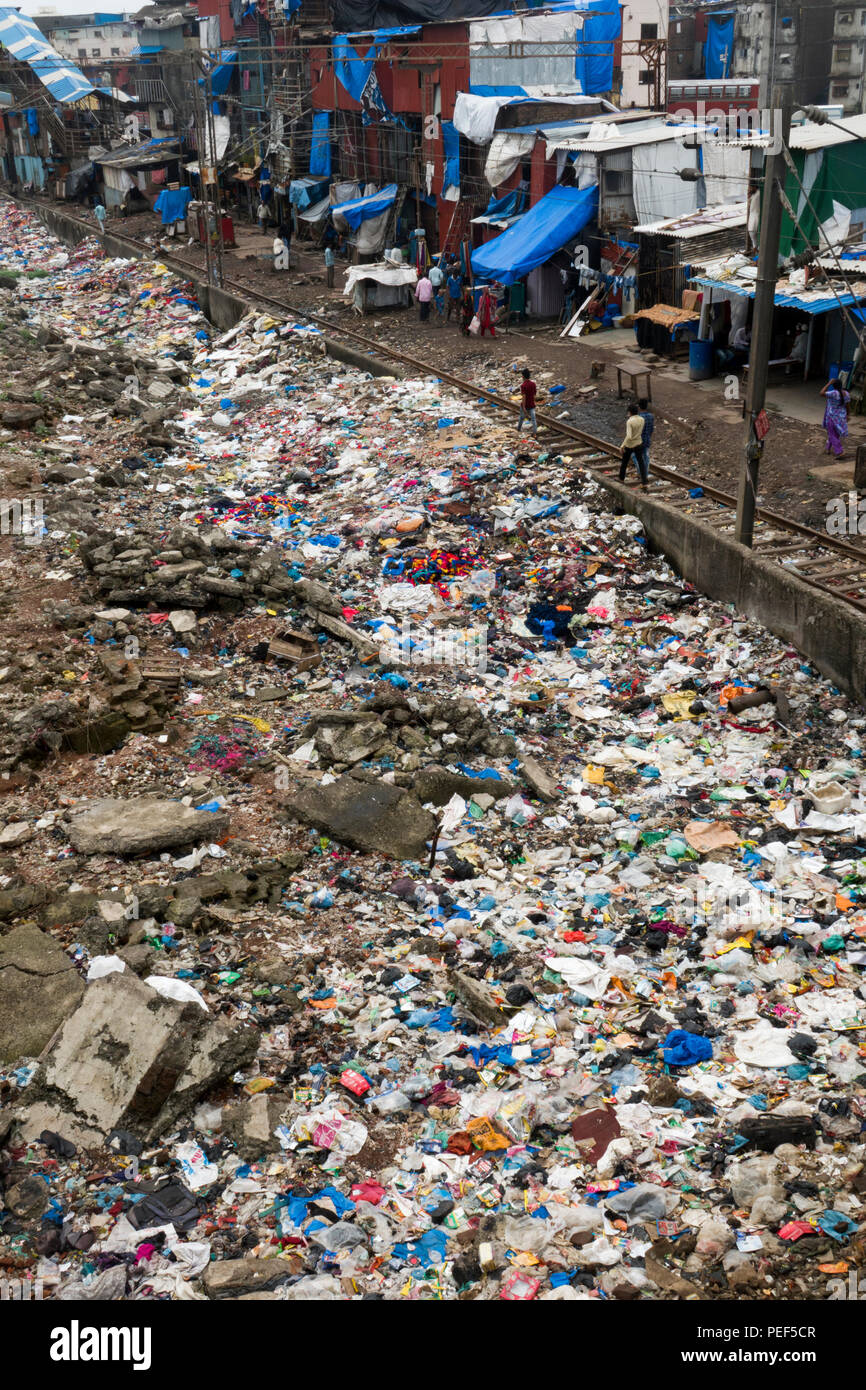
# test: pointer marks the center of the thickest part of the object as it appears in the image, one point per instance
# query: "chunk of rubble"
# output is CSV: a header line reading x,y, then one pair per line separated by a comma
x,y
143,823
130,1059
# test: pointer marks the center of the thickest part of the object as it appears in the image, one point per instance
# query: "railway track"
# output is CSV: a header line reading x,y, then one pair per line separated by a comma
x,y
832,565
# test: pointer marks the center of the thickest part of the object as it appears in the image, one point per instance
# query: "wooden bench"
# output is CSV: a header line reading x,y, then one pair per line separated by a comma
x,y
632,369
777,362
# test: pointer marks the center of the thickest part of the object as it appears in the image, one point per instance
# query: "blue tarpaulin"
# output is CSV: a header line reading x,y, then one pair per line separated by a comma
x,y
451,142
32,120
303,193
221,74
593,64
507,205
358,210
352,71
172,204
555,220
320,147
719,48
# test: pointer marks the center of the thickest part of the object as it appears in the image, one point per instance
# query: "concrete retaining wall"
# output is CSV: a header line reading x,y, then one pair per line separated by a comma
x,y
826,630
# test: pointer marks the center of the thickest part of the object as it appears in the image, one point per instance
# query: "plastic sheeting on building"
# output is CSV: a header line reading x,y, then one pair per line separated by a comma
x,y
555,220
475,112
593,61
657,189
320,146
350,69
451,172
359,210
20,37
719,49
221,74
364,16
505,153
303,192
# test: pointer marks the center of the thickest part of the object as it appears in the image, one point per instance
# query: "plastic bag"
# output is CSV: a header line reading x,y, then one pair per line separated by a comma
x,y
475,325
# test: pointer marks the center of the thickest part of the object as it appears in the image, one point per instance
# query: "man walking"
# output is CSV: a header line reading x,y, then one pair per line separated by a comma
x,y
437,279
100,214
632,446
424,294
649,424
528,391
329,267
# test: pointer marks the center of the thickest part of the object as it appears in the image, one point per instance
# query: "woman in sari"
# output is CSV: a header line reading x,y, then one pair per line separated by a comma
x,y
835,416
487,312
467,309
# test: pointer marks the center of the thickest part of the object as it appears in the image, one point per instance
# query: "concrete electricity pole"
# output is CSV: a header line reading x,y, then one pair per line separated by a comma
x,y
762,318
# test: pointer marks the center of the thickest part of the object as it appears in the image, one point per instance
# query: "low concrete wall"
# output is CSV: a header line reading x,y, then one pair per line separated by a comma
x,y
829,633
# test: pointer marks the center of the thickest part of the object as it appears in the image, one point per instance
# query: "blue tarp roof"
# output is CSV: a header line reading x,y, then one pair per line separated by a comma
x,y
20,36
782,301
221,74
357,210
555,220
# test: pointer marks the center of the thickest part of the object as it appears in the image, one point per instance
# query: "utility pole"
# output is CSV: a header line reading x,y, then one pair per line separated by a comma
x,y
762,318
200,144
211,129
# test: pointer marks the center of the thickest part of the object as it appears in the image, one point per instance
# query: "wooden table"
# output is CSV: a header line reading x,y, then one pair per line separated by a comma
x,y
633,368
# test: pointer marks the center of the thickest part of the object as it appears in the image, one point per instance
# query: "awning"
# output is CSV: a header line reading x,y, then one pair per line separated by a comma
x,y
303,192
141,156
221,74
358,210
555,220
147,50
20,37
811,303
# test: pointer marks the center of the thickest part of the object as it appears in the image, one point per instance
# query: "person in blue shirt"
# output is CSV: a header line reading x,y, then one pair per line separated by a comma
x,y
454,285
100,214
649,424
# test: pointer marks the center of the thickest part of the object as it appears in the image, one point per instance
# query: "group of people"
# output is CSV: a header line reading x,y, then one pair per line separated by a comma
x,y
444,287
639,427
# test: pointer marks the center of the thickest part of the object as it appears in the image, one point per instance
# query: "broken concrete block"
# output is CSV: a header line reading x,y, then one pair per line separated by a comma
x,y
366,815
128,1058
227,1278
39,988
143,823
438,784
538,781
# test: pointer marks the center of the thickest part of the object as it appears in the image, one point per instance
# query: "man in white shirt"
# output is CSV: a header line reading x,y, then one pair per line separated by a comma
x,y
437,280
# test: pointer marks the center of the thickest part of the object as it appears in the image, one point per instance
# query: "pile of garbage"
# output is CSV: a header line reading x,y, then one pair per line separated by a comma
x,y
409,887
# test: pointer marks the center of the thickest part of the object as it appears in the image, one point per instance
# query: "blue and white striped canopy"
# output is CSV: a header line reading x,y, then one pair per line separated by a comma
x,y
20,36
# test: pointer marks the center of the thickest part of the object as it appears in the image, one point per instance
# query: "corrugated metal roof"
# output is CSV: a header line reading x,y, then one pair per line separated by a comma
x,y
653,136
20,36
815,305
700,223
810,135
